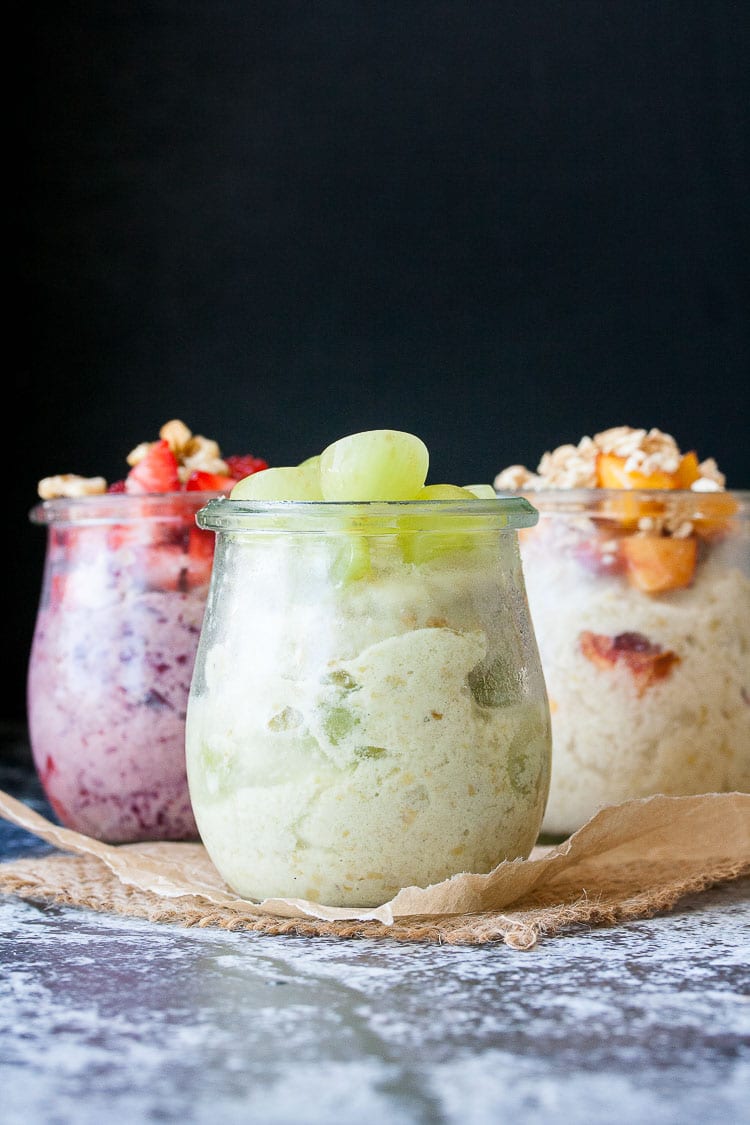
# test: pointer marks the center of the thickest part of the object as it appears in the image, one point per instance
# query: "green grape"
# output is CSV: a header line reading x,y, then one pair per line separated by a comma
x,y
338,722
374,465
310,470
496,682
351,559
282,483
431,538
444,492
481,491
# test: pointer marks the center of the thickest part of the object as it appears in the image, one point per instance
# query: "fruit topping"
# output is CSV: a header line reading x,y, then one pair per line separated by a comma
x,y
646,661
612,472
178,461
621,457
155,471
371,466
285,482
656,503
200,481
374,465
656,563
241,465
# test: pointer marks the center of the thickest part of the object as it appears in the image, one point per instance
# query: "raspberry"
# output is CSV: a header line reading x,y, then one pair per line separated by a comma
x,y
244,465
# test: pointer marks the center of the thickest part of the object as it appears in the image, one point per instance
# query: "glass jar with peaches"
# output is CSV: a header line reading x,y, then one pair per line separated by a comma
x,y
638,576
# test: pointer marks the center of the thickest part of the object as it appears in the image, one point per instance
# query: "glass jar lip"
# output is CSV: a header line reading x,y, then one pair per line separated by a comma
x,y
366,516
600,500
120,507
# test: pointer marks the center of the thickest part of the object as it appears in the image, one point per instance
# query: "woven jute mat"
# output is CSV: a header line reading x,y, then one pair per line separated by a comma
x,y
630,861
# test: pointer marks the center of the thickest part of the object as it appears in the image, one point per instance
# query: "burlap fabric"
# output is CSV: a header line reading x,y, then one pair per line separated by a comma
x,y
630,861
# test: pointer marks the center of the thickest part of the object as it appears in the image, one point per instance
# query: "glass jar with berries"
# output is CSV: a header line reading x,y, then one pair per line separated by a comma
x,y
123,595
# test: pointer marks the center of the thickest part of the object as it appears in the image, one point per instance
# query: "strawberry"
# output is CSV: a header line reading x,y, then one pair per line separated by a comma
x,y
200,557
117,486
156,472
244,465
200,481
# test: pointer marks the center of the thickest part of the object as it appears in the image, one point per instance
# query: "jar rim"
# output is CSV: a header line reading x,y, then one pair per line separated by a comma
x,y
593,501
369,517
120,507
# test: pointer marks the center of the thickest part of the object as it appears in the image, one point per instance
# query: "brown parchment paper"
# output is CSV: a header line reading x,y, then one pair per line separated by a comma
x,y
630,860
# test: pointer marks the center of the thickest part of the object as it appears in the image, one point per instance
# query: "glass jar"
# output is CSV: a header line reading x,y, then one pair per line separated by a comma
x,y
641,606
123,595
367,710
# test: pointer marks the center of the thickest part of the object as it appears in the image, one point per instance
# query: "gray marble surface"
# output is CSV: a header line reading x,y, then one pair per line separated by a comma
x,y
104,1018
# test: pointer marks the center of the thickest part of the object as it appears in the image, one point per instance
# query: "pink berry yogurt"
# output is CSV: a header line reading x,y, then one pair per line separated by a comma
x,y
125,583
122,604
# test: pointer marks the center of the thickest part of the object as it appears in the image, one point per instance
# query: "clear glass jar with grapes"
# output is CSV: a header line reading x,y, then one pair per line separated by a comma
x,y
367,710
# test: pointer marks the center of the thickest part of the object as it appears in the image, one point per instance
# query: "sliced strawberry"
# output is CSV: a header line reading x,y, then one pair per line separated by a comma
x,y
156,472
200,557
244,465
117,486
200,481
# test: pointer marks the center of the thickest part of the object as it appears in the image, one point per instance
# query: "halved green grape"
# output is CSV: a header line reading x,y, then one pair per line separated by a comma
x,y
422,540
310,469
481,491
351,559
496,681
338,722
444,492
285,482
374,465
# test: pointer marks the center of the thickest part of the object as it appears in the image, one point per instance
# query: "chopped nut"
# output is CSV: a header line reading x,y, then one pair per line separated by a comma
x,y
201,454
71,486
176,434
138,453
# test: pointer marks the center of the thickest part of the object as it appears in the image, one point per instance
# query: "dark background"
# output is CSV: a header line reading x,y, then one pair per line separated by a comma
x,y
498,225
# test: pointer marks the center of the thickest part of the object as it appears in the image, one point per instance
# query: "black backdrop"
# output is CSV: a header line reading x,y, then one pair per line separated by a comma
x,y
498,225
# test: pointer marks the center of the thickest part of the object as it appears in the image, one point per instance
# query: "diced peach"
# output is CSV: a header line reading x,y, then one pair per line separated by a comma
x,y
656,564
611,473
713,513
627,509
687,471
